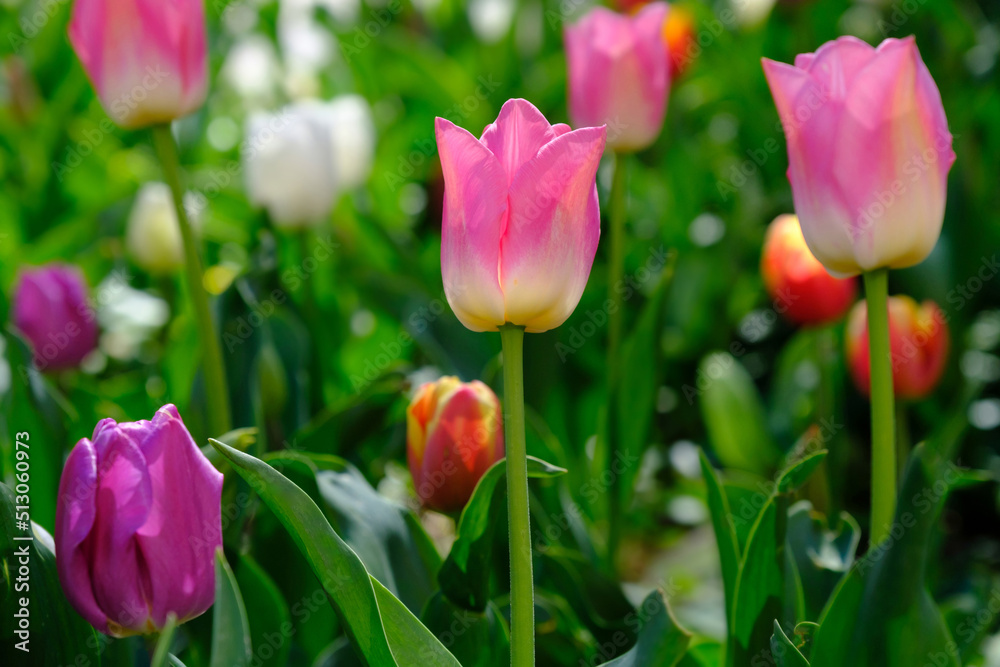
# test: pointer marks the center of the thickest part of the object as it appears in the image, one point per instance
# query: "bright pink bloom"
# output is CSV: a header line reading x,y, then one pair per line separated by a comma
x,y
145,58
868,151
52,311
521,218
454,433
801,288
137,524
918,344
619,74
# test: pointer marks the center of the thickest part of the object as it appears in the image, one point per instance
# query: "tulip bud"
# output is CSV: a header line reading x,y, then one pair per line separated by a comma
x,y
52,311
454,433
137,525
521,218
299,160
918,345
800,287
619,74
146,60
152,235
868,151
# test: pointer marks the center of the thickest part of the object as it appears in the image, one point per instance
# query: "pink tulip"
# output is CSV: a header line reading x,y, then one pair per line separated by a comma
x,y
52,311
868,151
454,433
619,74
137,525
145,58
521,218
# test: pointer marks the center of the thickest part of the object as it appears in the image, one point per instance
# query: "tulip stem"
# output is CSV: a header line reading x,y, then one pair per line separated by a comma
x,y
216,391
163,642
616,269
522,604
883,406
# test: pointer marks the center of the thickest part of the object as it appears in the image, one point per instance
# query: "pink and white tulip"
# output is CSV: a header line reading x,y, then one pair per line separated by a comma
x,y
137,524
145,58
868,151
521,218
619,74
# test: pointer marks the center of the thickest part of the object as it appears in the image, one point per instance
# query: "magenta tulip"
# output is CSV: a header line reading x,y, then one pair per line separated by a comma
x,y
137,525
521,218
619,74
868,151
145,58
51,310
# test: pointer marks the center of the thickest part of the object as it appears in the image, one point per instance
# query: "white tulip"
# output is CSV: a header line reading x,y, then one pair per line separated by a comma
x,y
152,235
300,160
289,167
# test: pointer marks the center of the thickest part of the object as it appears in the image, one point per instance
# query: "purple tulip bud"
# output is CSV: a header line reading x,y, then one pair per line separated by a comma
x,y
137,525
51,310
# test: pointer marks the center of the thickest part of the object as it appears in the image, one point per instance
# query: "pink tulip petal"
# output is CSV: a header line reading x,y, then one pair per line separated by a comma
x,y
184,526
517,135
835,64
123,501
551,238
75,514
475,213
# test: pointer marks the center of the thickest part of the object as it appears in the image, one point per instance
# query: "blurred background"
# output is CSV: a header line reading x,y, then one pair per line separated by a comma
x,y
326,334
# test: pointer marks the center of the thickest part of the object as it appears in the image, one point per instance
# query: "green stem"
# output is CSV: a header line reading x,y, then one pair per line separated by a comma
x,y
522,605
217,394
883,405
616,270
163,642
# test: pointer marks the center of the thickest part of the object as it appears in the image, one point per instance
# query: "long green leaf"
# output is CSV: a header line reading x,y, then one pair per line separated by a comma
x,y
230,628
784,651
725,537
382,630
267,614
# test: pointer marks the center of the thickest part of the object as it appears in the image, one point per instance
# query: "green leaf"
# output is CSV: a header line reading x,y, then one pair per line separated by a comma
x,y
57,635
464,575
662,641
267,614
382,630
822,555
708,654
882,614
395,550
767,587
734,415
230,628
725,537
784,652
476,639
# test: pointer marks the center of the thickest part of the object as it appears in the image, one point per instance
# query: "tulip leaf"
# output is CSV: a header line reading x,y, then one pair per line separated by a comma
x,y
230,628
267,614
734,415
708,654
662,641
822,555
767,587
477,639
381,628
882,613
465,574
784,651
56,633
725,536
